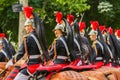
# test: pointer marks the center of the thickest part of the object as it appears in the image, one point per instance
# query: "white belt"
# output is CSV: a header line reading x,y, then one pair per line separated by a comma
x,y
62,57
34,56
99,58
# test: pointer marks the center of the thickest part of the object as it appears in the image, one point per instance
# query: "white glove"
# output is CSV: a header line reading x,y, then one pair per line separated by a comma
x,y
10,63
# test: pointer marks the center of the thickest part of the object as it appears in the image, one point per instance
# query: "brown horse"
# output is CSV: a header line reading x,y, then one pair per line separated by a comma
x,y
3,71
104,73
111,72
68,75
2,65
94,75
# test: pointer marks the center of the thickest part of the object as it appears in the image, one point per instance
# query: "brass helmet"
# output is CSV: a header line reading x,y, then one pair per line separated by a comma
x,y
29,22
59,26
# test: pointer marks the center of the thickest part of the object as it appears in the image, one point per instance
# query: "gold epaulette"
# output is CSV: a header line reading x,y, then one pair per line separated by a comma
x,y
94,47
94,43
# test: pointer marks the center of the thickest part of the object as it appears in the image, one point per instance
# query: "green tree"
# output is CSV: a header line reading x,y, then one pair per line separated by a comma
x,y
8,19
116,7
105,11
47,8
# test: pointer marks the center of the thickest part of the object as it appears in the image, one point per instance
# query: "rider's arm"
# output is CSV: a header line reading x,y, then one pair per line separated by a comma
x,y
20,53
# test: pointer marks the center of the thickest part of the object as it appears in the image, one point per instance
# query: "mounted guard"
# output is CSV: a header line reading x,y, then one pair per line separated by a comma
x,y
97,45
114,42
31,48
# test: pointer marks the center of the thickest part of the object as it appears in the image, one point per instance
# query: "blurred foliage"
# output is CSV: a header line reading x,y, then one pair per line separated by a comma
x,y
8,19
105,11
46,9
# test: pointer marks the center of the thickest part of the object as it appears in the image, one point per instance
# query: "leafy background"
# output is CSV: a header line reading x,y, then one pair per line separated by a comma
x,y
107,12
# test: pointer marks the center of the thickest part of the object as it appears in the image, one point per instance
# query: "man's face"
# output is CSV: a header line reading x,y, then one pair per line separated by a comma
x,y
93,37
57,33
82,32
28,28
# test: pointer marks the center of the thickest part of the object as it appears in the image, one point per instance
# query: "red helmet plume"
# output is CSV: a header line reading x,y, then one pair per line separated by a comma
x,y
58,17
2,35
118,33
110,30
102,28
94,25
28,11
70,18
82,25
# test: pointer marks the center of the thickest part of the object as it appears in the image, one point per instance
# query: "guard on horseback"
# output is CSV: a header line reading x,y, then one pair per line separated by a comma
x,y
59,48
30,49
85,41
96,44
7,46
33,53
109,45
115,46
4,50
3,54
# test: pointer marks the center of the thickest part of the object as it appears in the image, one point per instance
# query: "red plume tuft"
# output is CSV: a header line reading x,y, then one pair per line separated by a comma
x,y
110,30
94,24
102,28
82,26
58,17
28,11
70,18
118,33
2,35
